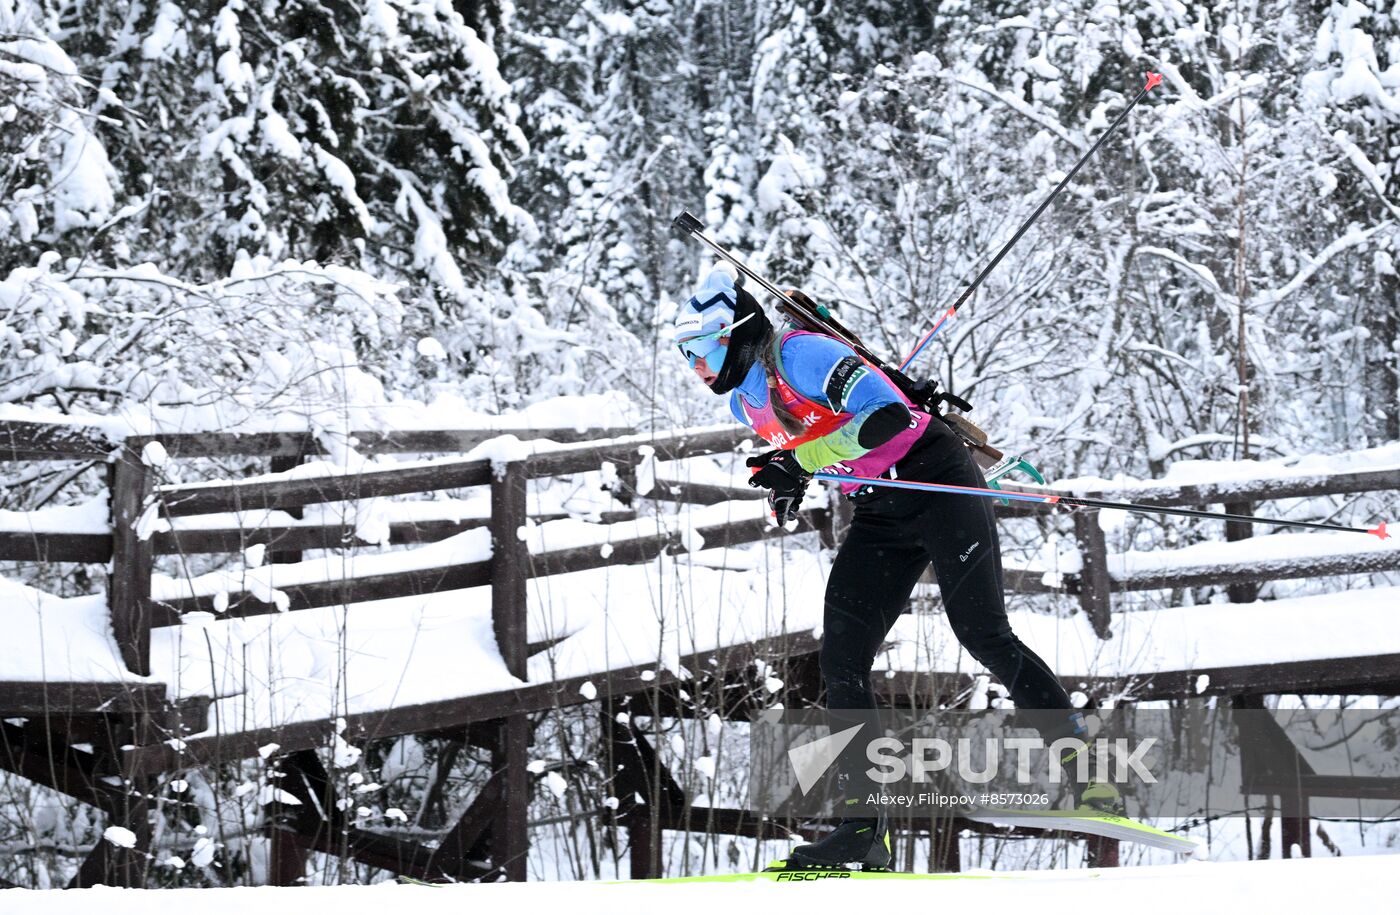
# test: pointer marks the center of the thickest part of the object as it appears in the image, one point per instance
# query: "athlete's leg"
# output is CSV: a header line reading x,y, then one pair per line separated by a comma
x,y
868,588
960,535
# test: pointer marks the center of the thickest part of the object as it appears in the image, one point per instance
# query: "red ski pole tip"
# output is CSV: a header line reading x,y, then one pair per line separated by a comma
x,y
1153,81
1379,531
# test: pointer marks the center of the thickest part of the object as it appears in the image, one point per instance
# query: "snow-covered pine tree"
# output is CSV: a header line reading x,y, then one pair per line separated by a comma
x,y
569,180
792,87
1353,90
377,133
59,180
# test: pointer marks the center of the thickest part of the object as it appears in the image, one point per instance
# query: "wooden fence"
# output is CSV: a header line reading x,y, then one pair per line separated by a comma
x,y
134,492
1095,585
137,497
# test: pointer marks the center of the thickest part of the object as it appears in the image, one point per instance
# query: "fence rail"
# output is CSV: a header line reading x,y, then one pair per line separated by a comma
x,y
541,453
1096,584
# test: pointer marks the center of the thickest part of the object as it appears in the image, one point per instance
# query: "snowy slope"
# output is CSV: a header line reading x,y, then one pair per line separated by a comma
x,y
1361,884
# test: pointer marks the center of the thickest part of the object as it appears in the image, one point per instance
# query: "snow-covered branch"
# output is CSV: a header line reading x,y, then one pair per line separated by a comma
x,y
1366,167
1354,237
1199,272
975,81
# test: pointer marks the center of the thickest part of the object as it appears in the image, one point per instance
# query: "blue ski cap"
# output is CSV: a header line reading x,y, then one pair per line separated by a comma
x,y
707,316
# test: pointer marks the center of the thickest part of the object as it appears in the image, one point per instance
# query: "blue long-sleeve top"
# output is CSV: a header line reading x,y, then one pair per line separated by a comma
x,y
810,362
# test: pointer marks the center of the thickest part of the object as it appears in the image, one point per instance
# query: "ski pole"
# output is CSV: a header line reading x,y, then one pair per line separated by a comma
x,y
1152,80
1055,500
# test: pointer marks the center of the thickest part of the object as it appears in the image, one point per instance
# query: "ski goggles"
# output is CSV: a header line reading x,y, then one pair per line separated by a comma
x,y
705,346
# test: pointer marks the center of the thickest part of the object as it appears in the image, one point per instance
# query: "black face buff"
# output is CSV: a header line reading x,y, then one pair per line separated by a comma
x,y
745,344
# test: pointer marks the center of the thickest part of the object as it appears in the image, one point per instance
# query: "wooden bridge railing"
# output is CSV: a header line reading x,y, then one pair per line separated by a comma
x,y
1096,584
138,500
557,452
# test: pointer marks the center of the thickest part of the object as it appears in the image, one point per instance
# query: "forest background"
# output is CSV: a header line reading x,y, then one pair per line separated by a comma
x,y
221,202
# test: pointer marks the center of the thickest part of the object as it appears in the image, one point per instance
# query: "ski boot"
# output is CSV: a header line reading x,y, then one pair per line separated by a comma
x,y
1099,798
864,842
1091,797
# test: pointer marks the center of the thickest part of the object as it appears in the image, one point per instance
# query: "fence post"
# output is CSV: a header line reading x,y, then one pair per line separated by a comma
x,y
281,463
510,559
1094,583
129,583
109,864
629,779
842,512
1101,851
1244,592
834,518
643,844
1294,825
945,854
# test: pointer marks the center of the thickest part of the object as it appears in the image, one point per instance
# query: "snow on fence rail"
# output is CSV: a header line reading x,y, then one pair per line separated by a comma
x,y
499,557
137,503
1241,568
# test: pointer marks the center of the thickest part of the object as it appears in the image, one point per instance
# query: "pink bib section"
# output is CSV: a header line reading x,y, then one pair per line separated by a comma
x,y
819,420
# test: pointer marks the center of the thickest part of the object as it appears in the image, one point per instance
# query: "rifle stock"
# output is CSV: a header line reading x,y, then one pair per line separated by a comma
x,y
806,314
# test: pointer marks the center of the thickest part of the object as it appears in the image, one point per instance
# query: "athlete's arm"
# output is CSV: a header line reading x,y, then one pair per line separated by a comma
x,y
829,371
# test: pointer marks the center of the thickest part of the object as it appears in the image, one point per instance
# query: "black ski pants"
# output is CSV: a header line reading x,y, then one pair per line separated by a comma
x,y
894,535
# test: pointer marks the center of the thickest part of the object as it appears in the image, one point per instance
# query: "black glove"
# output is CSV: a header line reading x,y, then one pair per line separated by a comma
x,y
779,472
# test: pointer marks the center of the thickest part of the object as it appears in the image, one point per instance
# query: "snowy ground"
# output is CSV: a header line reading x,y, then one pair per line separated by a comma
x,y
1332,884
